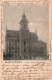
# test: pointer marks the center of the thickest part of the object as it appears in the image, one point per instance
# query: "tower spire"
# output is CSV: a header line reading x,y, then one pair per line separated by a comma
x,y
24,22
23,10
5,41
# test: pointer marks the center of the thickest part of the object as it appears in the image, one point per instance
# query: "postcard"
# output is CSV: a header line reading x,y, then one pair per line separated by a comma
x,y
26,40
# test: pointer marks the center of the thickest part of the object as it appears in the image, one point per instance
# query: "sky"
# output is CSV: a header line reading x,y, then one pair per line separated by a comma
x,y
37,15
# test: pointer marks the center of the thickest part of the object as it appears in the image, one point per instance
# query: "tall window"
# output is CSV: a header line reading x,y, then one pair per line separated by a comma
x,y
25,44
24,50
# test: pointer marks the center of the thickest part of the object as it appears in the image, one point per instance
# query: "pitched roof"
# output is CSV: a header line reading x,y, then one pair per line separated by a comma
x,y
12,33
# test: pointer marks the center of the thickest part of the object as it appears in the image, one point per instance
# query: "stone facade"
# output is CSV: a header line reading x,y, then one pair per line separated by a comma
x,y
24,44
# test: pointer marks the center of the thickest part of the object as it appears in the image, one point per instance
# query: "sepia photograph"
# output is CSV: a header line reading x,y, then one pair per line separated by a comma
x,y
26,32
